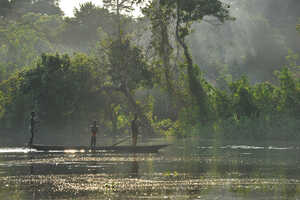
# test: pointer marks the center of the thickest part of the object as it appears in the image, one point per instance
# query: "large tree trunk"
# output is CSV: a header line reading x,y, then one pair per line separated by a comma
x,y
165,50
195,86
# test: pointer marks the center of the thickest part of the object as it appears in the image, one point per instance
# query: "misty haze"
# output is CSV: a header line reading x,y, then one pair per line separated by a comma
x,y
185,99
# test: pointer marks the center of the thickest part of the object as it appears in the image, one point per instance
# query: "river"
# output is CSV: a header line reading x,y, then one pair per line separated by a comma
x,y
187,169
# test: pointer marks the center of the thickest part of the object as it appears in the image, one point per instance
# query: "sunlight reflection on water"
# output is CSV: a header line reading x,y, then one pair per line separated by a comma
x,y
16,150
181,172
247,147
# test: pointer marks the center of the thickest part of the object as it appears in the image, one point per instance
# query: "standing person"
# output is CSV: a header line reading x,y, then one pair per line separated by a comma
x,y
94,130
32,127
134,130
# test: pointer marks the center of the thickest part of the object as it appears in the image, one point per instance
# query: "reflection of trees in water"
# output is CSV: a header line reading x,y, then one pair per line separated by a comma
x,y
134,169
207,172
33,186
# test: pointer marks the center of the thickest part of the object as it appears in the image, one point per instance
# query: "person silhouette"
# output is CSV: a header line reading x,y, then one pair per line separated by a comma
x,y
134,130
32,128
94,130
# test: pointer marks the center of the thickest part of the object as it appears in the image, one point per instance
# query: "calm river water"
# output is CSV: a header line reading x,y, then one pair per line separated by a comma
x,y
187,169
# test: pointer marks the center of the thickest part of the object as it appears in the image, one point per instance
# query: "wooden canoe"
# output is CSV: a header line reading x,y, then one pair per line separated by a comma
x,y
125,149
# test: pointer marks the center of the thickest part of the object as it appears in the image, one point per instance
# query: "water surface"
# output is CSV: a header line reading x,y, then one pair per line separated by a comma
x,y
187,169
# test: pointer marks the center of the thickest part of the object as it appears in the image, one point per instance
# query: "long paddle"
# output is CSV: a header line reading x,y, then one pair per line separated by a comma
x,y
119,142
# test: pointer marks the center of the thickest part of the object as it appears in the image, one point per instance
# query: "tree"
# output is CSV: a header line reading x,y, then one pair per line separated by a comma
x,y
128,68
5,6
117,6
23,41
89,24
82,31
164,60
91,17
62,89
160,41
21,7
184,13
242,97
49,7
128,71
120,8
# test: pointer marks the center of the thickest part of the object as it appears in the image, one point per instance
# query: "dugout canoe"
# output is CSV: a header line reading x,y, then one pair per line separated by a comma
x,y
121,149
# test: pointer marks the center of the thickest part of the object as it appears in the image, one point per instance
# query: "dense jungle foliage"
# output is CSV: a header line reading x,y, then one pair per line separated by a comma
x,y
186,68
